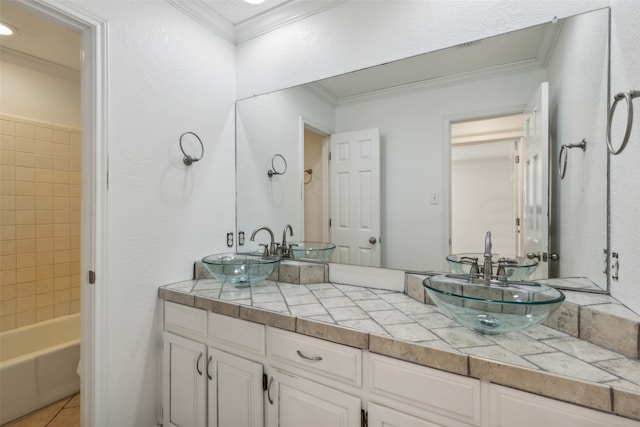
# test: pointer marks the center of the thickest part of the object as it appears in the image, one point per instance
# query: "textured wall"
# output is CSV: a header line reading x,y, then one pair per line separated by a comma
x,y
166,75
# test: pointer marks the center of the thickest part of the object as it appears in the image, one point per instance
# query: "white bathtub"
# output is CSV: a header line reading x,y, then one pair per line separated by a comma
x,y
38,365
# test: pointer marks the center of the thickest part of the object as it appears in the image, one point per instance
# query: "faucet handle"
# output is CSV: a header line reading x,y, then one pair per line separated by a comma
x,y
266,249
290,250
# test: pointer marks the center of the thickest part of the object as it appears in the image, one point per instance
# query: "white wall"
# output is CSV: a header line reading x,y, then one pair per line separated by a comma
x,y
166,75
39,95
579,207
269,125
625,174
414,128
359,34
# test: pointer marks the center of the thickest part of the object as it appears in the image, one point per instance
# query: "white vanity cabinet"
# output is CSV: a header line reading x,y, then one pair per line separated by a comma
x,y
509,407
403,393
184,385
204,385
294,402
312,383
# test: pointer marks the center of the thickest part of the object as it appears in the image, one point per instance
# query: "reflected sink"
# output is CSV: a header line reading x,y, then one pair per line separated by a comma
x,y
516,268
316,251
241,269
494,307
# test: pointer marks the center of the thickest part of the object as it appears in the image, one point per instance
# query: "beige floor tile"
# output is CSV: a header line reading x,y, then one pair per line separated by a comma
x,y
68,417
39,418
74,401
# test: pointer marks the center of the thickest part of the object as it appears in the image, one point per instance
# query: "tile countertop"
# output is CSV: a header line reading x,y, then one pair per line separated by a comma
x,y
539,360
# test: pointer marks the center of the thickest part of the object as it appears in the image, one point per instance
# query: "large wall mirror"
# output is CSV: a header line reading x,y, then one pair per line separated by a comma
x,y
418,158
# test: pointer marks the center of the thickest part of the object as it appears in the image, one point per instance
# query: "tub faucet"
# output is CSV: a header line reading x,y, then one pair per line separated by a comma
x,y
286,251
270,249
488,266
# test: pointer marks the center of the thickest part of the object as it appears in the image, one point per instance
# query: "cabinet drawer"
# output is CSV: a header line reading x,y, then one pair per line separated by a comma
x,y
328,359
236,335
453,396
184,320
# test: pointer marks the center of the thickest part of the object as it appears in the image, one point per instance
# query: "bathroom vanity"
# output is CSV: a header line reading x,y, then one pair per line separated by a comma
x,y
269,356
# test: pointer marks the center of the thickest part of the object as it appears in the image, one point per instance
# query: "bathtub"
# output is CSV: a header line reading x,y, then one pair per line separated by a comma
x,y
38,365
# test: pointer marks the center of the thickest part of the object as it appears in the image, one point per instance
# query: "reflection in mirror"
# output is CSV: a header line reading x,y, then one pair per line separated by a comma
x,y
402,204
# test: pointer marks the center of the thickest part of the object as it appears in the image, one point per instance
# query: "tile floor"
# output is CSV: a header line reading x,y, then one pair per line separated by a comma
x,y
63,413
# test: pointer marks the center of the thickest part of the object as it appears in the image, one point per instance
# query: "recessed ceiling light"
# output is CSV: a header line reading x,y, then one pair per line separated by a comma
x,y
5,30
254,1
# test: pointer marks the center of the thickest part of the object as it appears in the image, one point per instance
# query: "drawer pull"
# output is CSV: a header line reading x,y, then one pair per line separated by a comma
x,y
209,363
312,358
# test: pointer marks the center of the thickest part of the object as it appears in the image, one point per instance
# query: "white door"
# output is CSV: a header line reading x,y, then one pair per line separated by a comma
x,y
235,391
535,227
184,387
355,197
299,402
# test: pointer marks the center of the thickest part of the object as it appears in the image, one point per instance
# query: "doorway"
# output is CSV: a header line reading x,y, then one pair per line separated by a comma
x,y
486,190
92,198
314,191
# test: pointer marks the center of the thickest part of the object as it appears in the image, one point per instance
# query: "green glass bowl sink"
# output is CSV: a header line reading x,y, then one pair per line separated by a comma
x,y
316,251
493,307
516,268
241,268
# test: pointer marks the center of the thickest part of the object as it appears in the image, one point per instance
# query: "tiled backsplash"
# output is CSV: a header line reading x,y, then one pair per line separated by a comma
x,y
39,221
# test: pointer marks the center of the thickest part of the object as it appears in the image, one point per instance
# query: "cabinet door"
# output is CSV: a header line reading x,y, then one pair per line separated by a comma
x,y
184,385
380,416
296,402
511,407
235,391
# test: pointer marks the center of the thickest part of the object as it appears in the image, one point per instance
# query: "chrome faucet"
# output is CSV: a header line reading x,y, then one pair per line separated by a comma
x,y
488,266
272,247
286,251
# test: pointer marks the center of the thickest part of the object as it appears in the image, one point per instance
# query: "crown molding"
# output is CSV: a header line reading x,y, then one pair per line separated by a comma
x,y
278,17
275,18
517,67
38,64
200,11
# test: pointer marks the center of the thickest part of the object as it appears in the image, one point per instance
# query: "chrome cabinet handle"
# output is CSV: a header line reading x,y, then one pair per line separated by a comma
x,y
198,364
209,363
313,358
372,240
269,391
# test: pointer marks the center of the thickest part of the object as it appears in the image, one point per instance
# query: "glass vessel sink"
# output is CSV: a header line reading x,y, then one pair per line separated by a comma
x,y
492,307
516,268
316,251
241,268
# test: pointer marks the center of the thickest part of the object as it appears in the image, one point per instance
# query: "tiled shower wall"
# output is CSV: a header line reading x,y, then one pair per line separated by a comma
x,y
39,221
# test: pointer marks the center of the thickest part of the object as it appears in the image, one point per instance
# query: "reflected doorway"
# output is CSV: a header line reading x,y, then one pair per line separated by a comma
x,y
486,184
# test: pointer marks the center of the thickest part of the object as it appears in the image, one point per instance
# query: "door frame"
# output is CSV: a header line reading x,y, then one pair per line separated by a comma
x,y
94,168
446,165
305,123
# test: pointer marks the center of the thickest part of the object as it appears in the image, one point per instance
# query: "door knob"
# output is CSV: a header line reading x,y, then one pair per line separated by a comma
x,y
372,240
554,257
531,255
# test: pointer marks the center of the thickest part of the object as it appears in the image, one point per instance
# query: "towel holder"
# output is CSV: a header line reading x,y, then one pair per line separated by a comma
x,y
562,158
274,171
187,159
627,96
